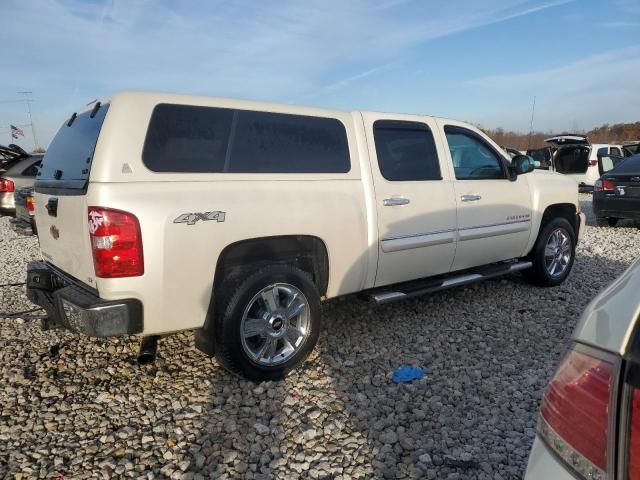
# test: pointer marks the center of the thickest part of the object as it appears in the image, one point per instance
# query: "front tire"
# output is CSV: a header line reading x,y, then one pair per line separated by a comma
x,y
269,322
553,254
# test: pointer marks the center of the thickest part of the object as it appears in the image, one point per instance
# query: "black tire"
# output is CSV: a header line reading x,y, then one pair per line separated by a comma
x,y
539,274
607,221
237,294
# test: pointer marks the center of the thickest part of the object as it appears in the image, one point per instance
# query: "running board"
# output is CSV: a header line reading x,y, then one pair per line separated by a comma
x,y
421,287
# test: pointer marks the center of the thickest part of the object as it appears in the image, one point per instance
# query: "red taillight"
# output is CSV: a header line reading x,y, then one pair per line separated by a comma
x,y
6,185
116,243
593,163
30,205
604,186
634,437
574,417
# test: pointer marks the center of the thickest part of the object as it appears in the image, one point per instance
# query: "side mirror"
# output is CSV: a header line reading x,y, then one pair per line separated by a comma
x,y
522,164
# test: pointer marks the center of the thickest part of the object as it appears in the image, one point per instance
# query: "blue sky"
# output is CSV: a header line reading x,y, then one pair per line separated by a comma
x,y
480,61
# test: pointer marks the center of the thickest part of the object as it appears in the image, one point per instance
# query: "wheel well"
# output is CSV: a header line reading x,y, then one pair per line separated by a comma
x,y
305,252
564,210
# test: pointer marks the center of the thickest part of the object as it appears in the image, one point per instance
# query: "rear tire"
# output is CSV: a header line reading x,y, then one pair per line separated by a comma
x,y
553,254
269,322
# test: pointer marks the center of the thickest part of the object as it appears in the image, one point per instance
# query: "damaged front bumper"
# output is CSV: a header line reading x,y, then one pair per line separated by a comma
x,y
75,308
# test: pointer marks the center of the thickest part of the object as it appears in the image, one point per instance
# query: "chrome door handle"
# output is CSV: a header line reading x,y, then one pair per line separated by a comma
x,y
470,198
395,201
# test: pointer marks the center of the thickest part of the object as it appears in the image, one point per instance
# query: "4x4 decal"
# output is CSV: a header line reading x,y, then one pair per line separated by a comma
x,y
192,218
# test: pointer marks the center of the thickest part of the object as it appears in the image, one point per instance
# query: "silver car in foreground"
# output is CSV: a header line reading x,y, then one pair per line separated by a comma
x,y
589,422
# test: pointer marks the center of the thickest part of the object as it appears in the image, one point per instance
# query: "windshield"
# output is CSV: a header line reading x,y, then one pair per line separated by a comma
x,y
68,159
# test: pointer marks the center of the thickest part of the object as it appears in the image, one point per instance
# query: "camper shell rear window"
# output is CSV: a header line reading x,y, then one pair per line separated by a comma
x,y
186,138
67,162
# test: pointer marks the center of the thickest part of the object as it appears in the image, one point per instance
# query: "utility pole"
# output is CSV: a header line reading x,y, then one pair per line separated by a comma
x,y
27,100
533,110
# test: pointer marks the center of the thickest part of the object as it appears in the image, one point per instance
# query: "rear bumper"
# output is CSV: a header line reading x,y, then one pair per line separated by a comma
x,y
77,309
616,206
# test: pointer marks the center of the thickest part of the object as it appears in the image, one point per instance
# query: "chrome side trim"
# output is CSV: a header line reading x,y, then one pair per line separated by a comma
x,y
485,231
407,242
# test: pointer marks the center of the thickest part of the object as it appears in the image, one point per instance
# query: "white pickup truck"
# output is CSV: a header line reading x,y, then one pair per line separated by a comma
x,y
159,213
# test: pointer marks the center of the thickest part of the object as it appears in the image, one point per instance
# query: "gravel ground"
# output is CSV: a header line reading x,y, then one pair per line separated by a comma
x,y
74,407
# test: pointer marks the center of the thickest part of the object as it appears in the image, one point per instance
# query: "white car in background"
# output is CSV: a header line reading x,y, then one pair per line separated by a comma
x,y
589,422
576,157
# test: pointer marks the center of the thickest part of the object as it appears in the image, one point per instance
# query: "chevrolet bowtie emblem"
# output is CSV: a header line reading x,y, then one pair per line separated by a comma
x,y
55,233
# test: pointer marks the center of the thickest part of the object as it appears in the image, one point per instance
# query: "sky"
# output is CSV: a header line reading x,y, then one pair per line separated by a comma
x,y
478,61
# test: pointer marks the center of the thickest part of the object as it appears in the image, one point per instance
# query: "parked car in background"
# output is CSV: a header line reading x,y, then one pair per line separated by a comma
x,y
21,172
542,157
576,157
9,155
630,148
24,222
589,421
616,194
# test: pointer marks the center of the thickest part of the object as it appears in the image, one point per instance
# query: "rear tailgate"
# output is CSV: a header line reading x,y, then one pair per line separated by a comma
x,y
61,196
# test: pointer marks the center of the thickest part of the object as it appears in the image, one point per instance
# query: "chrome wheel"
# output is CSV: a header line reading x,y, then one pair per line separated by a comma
x,y
275,324
557,253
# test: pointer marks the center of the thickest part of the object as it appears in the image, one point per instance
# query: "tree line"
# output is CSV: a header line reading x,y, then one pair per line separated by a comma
x,y
616,133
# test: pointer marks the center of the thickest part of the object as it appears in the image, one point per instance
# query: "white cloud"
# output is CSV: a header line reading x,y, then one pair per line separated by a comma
x,y
598,89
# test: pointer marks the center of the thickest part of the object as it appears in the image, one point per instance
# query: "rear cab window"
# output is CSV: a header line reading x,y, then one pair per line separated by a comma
x,y
406,151
184,138
67,162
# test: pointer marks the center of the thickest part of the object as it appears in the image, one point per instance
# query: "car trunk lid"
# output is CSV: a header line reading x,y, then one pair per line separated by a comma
x,y
567,139
61,195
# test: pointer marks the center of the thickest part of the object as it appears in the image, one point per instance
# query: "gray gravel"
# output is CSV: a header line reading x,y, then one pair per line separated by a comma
x,y
79,407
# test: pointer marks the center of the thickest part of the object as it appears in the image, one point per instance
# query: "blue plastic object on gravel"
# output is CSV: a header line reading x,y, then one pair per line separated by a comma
x,y
407,374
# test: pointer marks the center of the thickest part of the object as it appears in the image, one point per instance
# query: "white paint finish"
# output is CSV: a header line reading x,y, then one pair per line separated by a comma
x,y
71,251
343,210
609,320
431,209
544,466
181,255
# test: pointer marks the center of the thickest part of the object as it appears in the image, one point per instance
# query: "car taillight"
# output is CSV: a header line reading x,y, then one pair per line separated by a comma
x,y
6,185
575,414
634,437
31,206
604,186
593,163
116,243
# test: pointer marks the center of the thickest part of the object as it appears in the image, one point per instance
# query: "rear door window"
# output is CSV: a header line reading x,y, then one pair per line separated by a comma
x,y
67,162
406,151
183,138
